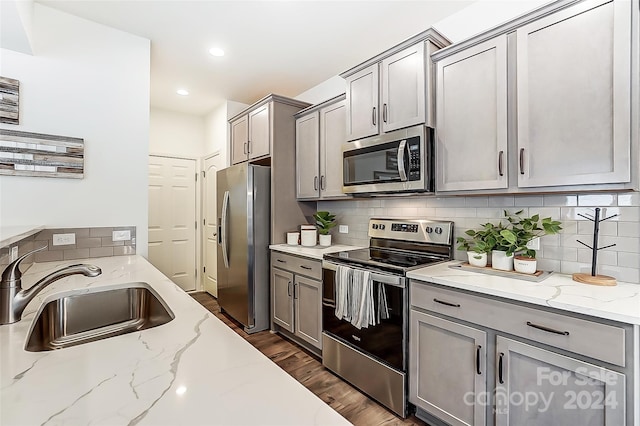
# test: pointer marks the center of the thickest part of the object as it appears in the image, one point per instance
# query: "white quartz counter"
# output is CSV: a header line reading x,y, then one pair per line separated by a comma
x,y
619,303
315,252
193,370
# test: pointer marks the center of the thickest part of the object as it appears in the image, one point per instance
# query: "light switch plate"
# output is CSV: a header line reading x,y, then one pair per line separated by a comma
x,y
121,235
343,229
14,253
534,244
64,239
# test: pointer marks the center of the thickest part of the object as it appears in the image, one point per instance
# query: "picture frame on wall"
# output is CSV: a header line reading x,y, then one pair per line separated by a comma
x,y
9,101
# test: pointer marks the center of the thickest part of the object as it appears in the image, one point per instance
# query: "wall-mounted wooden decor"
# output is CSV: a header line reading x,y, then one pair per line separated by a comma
x,y
35,154
9,100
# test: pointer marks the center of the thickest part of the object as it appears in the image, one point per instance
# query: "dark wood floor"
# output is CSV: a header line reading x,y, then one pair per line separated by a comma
x,y
308,370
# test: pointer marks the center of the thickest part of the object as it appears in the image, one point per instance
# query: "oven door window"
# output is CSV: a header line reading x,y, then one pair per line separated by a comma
x,y
384,341
374,164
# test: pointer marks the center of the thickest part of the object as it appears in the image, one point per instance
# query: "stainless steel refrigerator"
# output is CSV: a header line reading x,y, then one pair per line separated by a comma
x,y
243,207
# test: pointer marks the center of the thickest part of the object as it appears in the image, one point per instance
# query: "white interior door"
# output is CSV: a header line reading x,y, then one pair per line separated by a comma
x,y
172,219
210,219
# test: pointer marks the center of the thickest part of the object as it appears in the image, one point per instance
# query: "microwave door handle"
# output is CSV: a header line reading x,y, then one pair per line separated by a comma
x,y
401,150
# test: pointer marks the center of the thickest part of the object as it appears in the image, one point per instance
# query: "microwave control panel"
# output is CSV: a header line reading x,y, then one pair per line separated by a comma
x,y
414,158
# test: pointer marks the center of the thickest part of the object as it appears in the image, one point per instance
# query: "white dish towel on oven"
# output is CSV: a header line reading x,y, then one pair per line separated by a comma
x,y
363,304
343,284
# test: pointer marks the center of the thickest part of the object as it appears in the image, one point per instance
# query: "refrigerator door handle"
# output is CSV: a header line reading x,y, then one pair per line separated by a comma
x,y
223,231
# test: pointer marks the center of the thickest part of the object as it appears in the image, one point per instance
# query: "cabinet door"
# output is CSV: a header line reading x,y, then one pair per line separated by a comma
x,y
239,140
307,161
573,79
308,306
259,132
332,136
536,386
282,298
447,369
403,91
471,110
362,103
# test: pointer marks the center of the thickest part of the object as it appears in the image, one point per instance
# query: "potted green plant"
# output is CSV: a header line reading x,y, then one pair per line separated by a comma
x,y
480,243
324,222
517,235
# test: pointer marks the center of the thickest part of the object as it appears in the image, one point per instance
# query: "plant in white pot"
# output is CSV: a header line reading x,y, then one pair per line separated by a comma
x,y
324,222
520,231
478,245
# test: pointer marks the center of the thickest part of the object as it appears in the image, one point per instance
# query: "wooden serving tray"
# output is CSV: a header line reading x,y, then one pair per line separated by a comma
x,y
535,277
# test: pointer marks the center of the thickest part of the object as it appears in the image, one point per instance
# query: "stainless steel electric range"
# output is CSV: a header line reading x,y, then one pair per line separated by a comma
x,y
366,304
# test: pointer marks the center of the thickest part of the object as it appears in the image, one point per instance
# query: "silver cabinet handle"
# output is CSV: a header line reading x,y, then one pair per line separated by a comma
x,y
289,289
500,158
521,161
248,147
373,115
547,329
401,149
384,112
244,148
306,267
478,348
323,183
442,302
315,183
281,261
500,362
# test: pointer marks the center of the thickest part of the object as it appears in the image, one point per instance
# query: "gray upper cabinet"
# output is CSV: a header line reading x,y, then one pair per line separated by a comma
x,y
320,133
472,89
574,84
394,89
259,140
239,139
541,103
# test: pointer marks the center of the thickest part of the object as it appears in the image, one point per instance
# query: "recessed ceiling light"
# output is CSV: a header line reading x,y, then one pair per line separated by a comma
x,y
182,92
216,51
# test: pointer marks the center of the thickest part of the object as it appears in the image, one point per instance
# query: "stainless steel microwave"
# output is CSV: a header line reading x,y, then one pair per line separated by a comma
x,y
398,161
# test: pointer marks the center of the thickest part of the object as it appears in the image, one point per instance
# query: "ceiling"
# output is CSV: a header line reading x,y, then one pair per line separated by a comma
x,y
283,47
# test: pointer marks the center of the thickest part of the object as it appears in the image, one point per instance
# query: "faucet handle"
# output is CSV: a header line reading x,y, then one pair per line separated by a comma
x,y
12,272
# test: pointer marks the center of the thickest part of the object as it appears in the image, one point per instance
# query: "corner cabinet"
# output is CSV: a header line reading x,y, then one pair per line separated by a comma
x,y
542,103
320,133
252,131
296,298
476,360
394,89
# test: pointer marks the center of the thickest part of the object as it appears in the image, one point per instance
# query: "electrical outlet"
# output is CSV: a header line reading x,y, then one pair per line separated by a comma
x,y
14,253
534,244
64,239
343,229
121,235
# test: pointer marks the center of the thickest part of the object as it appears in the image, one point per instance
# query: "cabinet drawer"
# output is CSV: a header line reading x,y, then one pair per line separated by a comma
x,y
298,265
584,337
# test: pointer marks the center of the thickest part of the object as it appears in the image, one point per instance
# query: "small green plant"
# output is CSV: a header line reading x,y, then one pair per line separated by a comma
x,y
481,241
521,230
324,222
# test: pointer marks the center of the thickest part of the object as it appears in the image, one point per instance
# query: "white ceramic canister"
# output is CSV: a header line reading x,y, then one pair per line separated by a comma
x,y
292,238
308,235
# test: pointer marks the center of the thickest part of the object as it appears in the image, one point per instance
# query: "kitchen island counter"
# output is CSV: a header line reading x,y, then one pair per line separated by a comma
x,y
192,370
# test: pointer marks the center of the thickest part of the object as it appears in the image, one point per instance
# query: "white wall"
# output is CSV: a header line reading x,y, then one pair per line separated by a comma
x,y
326,90
216,129
176,134
92,82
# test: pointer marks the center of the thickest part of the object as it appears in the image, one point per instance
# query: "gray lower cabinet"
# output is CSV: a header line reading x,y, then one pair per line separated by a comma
x,y
475,360
296,297
449,368
538,386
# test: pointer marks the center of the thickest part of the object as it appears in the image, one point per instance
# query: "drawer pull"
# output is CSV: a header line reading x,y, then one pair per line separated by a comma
x,y
308,268
500,379
547,329
442,302
281,261
478,348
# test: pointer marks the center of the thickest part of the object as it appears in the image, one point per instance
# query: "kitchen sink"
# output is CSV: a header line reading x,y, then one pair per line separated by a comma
x,y
79,318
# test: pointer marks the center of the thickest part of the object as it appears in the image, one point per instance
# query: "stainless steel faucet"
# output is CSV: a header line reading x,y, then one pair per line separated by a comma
x,y
13,299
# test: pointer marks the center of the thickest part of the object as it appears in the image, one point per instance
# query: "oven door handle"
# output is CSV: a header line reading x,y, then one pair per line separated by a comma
x,y
401,151
393,280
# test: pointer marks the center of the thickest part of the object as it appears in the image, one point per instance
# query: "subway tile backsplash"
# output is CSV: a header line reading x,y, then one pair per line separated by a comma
x,y
89,242
559,253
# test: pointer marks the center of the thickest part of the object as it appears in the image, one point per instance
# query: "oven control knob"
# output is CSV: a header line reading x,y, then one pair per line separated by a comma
x,y
429,229
438,230
374,226
381,226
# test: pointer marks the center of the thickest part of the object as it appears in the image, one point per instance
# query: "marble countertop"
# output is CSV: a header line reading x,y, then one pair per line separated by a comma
x,y
618,303
315,252
193,370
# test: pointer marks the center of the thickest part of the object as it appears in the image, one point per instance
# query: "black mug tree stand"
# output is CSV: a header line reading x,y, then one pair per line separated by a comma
x,y
593,278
